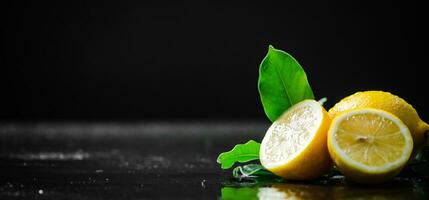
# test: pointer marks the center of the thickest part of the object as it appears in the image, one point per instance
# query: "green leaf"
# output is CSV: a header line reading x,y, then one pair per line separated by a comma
x,y
282,83
240,153
250,171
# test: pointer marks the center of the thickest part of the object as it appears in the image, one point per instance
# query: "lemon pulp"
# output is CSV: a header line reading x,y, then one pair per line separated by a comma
x,y
369,144
391,103
290,134
294,147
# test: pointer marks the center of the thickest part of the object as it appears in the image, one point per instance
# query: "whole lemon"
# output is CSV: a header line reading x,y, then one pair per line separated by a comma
x,y
390,103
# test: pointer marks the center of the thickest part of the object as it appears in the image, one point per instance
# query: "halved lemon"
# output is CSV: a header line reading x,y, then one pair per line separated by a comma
x,y
294,147
369,145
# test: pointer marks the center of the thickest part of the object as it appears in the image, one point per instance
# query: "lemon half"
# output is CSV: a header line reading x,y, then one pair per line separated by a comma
x,y
391,103
369,145
294,147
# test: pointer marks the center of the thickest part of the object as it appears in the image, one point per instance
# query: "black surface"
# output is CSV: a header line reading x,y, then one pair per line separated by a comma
x,y
197,59
154,161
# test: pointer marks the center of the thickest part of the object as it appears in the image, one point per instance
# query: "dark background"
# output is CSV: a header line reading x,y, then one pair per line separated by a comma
x,y
154,60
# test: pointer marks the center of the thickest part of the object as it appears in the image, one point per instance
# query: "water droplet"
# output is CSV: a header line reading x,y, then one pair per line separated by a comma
x,y
203,183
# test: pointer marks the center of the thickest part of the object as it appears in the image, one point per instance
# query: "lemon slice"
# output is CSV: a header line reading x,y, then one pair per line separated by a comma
x,y
369,145
391,103
294,147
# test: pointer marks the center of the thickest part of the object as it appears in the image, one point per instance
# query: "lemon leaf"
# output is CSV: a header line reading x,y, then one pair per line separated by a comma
x,y
240,153
250,171
282,83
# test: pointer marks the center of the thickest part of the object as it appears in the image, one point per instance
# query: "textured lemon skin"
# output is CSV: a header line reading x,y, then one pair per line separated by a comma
x,y
313,161
390,103
350,171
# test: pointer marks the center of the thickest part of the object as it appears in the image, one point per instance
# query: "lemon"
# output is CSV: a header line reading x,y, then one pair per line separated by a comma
x,y
369,145
390,103
294,146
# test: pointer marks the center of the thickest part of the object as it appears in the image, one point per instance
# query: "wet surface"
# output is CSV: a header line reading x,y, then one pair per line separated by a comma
x,y
155,161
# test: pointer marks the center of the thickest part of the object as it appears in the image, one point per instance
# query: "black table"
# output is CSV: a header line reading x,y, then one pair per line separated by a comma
x,y
155,160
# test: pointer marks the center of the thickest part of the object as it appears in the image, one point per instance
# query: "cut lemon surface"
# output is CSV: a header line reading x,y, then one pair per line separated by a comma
x,y
294,147
369,145
391,103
